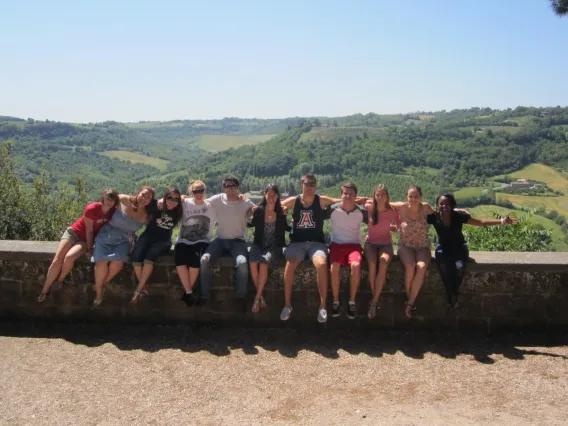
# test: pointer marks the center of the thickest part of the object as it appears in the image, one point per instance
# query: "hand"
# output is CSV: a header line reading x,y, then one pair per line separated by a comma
x,y
507,220
160,204
393,228
253,208
88,254
284,211
242,197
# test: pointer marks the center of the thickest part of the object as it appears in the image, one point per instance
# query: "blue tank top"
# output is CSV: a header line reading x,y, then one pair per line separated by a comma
x,y
308,222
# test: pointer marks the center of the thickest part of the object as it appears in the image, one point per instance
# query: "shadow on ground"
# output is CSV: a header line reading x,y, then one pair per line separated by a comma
x,y
220,341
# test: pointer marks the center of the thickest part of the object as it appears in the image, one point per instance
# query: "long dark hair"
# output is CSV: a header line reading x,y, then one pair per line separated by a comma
x,y
177,210
277,206
375,212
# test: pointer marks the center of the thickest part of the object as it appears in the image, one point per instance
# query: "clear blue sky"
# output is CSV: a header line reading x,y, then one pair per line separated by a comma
x,y
163,60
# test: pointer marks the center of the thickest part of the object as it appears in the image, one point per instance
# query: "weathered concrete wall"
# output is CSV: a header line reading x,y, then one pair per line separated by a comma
x,y
501,290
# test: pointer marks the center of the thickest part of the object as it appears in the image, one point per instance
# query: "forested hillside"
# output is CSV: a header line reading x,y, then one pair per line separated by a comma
x,y
439,150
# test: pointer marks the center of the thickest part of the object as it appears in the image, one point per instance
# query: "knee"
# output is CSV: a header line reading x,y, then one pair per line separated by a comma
x,y
321,265
241,262
355,266
58,260
205,260
421,267
385,260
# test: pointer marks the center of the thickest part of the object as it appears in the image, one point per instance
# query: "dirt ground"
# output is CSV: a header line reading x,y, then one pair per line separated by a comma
x,y
93,374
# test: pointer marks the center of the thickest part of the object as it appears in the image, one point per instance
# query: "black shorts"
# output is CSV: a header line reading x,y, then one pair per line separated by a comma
x,y
189,254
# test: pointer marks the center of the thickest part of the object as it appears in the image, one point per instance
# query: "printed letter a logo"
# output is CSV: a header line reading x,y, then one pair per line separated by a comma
x,y
306,220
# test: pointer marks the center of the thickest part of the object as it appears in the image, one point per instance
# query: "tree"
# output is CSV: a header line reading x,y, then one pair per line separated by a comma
x,y
560,7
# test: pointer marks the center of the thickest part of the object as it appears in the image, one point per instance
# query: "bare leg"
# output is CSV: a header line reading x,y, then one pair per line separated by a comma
x,y
56,264
183,274
408,259
72,255
262,276
113,269
145,276
193,275
320,263
355,280
335,282
423,259
137,272
101,271
384,262
253,266
371,257
289,271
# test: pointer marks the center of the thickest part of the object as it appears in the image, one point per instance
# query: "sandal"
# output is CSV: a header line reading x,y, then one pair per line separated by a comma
x,y
138,295
408,310
97,302
256,305
373,308
262,303
41,297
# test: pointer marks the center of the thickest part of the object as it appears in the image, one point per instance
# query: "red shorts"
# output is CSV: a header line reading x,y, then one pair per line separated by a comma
x,y
345,254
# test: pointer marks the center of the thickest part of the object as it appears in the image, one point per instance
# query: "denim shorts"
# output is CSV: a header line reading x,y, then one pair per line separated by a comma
x,y
305,251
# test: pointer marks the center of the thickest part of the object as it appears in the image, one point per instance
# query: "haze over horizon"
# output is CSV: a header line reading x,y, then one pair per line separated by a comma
x,y
172,60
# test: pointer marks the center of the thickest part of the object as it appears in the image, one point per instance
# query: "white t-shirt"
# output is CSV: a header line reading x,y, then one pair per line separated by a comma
x,y
197,222
231,216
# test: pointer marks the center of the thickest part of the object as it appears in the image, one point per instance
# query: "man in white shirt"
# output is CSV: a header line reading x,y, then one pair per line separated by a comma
x,y
232,213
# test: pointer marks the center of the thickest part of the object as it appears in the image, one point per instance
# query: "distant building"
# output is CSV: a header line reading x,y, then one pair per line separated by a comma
x,y
522,183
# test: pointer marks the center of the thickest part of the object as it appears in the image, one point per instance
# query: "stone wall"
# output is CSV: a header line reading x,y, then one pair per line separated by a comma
x,y
500,291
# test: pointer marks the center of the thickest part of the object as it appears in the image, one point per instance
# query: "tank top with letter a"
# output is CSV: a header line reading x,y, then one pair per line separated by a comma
x,y
308,222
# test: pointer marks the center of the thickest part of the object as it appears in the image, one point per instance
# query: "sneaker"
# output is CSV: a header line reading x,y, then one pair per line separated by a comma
x,y
351,311
335,310
188,299
286,312
322,316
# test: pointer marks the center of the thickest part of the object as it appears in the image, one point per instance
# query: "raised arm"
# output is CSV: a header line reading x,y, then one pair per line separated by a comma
x,y
428,208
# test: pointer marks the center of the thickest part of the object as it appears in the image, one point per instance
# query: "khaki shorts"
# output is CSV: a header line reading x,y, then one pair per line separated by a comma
x,y
70,235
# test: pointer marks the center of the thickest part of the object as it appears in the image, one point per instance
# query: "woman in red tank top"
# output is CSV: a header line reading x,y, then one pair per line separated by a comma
x,y
78,239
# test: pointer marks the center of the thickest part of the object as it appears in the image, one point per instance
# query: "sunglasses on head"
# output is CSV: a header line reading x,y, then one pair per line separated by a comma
x,y
173,199
198,191
310,184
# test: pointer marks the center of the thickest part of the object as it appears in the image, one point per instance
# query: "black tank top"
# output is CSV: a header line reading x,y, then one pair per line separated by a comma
x,y
308,222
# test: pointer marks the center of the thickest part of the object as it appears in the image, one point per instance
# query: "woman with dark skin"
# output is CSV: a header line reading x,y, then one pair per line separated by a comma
x,y
452,252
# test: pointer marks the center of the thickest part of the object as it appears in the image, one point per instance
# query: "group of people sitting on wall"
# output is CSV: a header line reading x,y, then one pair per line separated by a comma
x,y
106,233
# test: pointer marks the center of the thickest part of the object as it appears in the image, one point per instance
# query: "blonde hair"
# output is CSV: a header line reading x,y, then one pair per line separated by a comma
x,y
195,183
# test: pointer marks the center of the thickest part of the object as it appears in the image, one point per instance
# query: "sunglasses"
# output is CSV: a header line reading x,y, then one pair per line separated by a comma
x,y
229,186
197,191
309,184
173,199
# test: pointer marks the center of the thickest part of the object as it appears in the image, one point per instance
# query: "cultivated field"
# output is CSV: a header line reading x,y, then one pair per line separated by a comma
x,y
214,143
134,157
548,175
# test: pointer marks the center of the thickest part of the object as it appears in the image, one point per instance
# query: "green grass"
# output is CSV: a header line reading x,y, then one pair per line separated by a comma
x,y
214,143
470,192
137,158
485,212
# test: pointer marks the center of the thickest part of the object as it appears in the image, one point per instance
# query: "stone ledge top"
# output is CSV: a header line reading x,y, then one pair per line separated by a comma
x,y
522,261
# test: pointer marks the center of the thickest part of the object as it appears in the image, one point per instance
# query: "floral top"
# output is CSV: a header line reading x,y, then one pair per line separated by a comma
x,y
269,234
414,232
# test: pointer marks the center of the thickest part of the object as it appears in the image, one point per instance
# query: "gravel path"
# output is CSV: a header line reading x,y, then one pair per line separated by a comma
x,y
92,374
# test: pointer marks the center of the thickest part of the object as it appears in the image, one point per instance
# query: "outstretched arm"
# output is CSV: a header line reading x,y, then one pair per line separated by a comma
x,y
428,208
492,222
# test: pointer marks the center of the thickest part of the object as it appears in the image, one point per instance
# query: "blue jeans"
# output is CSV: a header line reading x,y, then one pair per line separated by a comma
x,y
237,249
446,259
